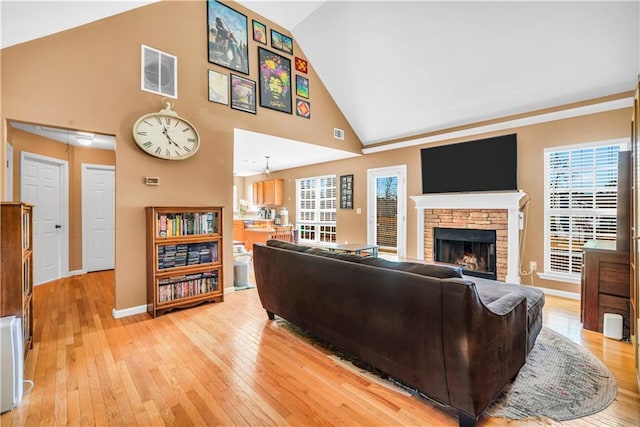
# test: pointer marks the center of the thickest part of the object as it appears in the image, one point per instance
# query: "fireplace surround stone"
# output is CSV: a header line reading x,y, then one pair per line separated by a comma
x,y
482,210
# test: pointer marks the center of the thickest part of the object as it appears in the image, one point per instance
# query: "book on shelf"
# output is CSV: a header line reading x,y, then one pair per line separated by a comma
x,y
185,286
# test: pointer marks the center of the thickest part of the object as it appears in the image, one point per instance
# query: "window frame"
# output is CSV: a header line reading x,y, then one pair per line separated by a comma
x,y
570,211
318,225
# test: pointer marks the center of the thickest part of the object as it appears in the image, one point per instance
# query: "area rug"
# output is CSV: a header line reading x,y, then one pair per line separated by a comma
x,y
560,380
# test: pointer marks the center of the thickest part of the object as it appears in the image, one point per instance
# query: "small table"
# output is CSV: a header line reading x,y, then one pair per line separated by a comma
x,y
356,248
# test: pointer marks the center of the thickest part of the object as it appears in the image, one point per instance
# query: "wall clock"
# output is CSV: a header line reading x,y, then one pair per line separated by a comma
x,y
166,135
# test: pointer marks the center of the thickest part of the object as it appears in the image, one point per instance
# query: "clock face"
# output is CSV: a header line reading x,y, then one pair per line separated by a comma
x,y
166,136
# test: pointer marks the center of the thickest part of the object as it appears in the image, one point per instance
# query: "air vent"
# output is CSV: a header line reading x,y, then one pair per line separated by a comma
x,y
338,133
159,72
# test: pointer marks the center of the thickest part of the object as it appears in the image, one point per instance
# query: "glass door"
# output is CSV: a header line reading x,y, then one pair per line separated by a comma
x,y
387,209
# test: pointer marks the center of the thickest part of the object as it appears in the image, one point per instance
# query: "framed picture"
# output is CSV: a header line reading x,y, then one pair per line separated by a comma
x,y
303,108
302,65
346,192
302,86
218,87
281,42
243,94
259,32
275,81
227,35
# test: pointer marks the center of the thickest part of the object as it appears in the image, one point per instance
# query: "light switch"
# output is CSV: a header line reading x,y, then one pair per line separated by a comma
x,y
359,211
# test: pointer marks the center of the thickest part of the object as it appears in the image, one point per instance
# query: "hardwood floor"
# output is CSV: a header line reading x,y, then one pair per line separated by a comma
x,y
226,364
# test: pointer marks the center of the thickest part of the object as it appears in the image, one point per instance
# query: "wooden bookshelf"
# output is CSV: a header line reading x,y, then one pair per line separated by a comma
x,y
184,257
16,299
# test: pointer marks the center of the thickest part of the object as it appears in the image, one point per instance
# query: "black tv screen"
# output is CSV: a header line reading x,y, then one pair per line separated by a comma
x,y
483,165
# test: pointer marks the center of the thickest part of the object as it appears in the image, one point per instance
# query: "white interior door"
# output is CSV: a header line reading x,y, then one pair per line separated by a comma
x,y
98,217
9,174
43,183
387,208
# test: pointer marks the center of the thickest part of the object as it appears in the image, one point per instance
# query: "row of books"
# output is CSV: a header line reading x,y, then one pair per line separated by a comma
x,y
170,256
186,224
190,285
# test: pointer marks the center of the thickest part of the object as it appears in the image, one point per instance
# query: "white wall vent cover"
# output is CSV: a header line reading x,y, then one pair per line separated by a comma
x,y
159,72
338,133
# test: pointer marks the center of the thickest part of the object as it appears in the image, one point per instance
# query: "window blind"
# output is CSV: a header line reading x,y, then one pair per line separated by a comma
x,y
581,185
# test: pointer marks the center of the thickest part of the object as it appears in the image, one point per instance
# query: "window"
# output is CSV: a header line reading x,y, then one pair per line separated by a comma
x,y
316,216
581,184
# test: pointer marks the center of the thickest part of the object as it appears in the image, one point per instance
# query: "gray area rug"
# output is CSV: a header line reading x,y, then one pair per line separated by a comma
x,y
561,380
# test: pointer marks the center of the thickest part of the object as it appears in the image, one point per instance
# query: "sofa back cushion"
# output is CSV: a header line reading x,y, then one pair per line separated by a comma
x,y
336,255
433,270
281,244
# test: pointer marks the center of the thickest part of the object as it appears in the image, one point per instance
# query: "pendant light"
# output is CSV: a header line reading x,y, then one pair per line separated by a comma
x,y
266,169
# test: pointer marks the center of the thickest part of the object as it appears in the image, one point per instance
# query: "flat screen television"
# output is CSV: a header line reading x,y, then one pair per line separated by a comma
x,y
482,165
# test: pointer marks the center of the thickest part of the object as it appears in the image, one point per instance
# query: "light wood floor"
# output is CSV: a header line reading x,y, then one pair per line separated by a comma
x,y
226,364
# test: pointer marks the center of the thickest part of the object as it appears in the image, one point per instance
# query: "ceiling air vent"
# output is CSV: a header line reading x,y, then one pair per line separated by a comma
x,y
338,133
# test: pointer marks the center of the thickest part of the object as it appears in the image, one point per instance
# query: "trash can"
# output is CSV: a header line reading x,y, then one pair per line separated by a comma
x,y
612,326
241,260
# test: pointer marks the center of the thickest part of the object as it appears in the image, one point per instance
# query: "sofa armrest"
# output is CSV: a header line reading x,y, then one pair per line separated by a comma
x,y
506,303
484,346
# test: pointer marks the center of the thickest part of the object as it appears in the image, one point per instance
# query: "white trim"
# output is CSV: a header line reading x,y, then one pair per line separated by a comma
x,y
574,279
481,200
131,311
64,203
76,273
561,294
401,172
509,124
8,171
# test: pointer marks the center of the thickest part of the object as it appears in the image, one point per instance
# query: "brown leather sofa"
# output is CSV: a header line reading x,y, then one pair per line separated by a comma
x,y
436,333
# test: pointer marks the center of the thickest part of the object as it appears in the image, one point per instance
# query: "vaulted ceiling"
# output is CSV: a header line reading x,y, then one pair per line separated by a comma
x,y
398,69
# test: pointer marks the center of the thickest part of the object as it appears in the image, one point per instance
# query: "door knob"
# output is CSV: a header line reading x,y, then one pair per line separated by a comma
x,y
58,226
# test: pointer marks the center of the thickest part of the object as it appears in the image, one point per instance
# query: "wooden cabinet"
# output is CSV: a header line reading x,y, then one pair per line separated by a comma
x,y
16,297
270,192
635,228
184,257
258,193
605,284
238,230
273,190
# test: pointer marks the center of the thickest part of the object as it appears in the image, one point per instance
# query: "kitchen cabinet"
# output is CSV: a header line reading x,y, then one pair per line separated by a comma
x,y
269,193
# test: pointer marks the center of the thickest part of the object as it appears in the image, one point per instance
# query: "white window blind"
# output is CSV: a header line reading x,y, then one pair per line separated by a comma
x,y
581,185
316,213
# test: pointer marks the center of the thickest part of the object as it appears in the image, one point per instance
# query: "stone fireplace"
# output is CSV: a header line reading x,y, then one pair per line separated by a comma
x,y
443,216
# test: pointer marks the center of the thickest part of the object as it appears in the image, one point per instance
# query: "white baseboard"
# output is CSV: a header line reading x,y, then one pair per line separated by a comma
x,y
562,294
131,311
76,273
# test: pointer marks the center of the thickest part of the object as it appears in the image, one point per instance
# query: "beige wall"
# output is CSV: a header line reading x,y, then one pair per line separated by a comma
x,y
532,140
88,78
75,156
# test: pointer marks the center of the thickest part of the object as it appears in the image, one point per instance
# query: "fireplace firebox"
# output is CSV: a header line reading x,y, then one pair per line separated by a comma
x,y
472,249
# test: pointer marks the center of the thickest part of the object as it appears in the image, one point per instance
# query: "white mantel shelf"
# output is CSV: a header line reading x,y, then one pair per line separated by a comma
x,y
501,200
481,200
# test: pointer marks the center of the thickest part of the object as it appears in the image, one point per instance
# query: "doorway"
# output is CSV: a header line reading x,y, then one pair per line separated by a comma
x,y
44,182
387,208
98,217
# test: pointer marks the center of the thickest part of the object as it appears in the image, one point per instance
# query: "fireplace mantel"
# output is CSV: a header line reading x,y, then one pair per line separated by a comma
x,y
509,201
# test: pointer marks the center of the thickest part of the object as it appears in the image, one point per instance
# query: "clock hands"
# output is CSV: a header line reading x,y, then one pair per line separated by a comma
x,y
171,141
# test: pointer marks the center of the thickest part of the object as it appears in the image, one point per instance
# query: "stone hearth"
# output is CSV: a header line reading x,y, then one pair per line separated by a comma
x,y
483,211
